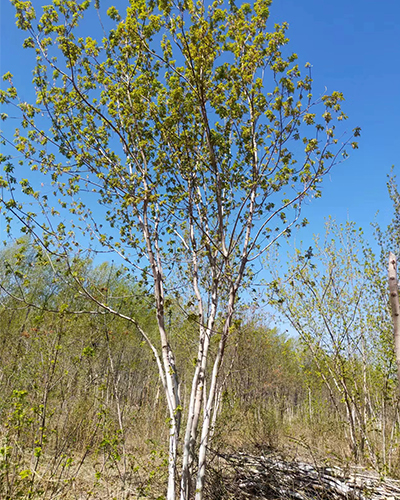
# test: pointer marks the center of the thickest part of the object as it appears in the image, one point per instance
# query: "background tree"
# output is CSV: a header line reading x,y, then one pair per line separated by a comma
x,y
394,304
388,241
72,385
167,144
332,297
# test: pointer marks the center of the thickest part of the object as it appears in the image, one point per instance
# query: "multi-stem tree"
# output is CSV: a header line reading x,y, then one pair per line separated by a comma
x,y
176,142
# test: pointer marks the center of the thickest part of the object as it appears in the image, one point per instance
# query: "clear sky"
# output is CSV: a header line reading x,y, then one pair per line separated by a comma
x,y
353,47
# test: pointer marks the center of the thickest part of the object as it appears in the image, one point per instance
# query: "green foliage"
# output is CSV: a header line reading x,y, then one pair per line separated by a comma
x,y
168,102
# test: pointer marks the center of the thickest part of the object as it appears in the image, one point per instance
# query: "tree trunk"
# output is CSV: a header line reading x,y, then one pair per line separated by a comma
x,y
394,304
205,433
172,456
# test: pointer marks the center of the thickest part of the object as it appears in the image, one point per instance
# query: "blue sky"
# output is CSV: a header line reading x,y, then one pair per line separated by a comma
x,y
354,47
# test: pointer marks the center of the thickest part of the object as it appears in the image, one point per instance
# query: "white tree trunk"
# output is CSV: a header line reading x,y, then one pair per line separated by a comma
x,y
173,445
205,432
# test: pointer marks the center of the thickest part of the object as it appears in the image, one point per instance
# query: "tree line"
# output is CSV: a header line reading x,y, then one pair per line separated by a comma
x,y
83,403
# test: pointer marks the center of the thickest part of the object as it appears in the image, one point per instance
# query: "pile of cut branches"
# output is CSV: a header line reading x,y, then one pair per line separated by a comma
x,y
271,477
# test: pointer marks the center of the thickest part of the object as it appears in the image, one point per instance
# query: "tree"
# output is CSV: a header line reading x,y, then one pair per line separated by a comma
x,y
167,144
389,239
333,298
394,304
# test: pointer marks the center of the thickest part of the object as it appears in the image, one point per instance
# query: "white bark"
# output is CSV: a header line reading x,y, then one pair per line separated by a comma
x,y
205,433
171,386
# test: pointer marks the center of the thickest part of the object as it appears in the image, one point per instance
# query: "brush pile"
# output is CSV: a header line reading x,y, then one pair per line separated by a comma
x,y
270,477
